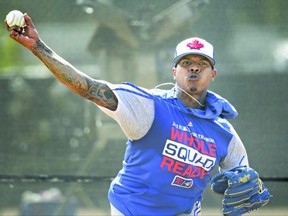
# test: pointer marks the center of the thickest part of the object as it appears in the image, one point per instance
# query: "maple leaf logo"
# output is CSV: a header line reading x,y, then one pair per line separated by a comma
x,y
195,45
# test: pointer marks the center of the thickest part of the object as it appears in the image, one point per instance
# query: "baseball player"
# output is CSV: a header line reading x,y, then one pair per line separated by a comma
x,y
175,138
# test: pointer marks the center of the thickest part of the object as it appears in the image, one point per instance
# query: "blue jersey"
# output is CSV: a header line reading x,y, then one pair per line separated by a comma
x,y
166,171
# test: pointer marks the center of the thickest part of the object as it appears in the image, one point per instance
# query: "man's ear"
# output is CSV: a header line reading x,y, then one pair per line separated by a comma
x,y
214,73
174,73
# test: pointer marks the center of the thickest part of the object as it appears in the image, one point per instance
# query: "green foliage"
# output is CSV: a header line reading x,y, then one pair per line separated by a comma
x,y
9,51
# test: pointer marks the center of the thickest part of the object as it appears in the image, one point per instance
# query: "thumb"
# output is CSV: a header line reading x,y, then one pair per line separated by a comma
x,y
28,20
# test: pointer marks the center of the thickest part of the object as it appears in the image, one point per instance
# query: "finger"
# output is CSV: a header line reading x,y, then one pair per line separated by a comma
x,y
15,28
28,20
14,34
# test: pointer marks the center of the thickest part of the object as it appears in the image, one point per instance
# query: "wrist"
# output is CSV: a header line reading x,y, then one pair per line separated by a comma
x,y
40,47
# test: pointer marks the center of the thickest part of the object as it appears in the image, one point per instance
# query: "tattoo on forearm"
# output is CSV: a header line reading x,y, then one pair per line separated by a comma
x,y
76,81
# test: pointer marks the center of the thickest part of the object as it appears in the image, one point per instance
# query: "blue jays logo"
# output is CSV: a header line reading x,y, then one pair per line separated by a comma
x,y
182,182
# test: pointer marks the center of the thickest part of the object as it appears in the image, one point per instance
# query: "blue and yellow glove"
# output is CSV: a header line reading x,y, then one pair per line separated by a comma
x,y
243,190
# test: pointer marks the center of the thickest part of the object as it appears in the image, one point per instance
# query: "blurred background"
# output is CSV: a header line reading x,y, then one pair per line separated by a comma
x,y
59,152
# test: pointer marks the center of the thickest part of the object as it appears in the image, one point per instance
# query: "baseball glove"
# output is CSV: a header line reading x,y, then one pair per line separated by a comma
x,y
243,190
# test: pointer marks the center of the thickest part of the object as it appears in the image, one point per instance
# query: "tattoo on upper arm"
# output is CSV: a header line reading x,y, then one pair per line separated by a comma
x,y
102,94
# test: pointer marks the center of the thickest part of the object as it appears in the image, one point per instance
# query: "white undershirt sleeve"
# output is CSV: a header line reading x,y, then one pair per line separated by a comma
x,y
236,155
134,113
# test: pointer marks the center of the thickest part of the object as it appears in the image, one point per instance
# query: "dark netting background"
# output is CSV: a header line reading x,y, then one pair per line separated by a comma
x,y
59,152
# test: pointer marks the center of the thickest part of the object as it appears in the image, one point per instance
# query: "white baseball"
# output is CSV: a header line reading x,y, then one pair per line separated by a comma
x,y
15,18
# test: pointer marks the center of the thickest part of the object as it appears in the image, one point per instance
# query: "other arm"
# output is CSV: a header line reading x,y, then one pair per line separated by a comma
x,y
242,188
236,156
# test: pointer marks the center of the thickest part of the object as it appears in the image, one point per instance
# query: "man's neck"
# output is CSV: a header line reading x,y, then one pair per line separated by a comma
x,y
195,101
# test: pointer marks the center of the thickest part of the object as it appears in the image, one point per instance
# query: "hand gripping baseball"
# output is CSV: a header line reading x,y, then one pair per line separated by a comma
x,y
243,190
28,36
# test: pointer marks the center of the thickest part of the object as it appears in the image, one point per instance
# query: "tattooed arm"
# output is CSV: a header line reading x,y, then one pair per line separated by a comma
x,y
78,82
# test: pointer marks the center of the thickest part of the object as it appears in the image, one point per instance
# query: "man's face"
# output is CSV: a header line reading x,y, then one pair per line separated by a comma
x,y
194,73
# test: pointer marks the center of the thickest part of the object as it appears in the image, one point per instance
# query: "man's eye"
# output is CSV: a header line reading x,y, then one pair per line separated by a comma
x,y
203,63
186,63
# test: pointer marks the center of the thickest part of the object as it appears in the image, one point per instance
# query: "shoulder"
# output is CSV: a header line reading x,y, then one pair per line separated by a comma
x,y
135,110
221,106
129,89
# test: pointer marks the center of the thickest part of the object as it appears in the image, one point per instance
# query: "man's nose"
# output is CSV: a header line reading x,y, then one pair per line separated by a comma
x,y
195,67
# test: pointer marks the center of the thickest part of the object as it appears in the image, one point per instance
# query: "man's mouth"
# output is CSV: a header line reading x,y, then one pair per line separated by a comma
x,y
193,77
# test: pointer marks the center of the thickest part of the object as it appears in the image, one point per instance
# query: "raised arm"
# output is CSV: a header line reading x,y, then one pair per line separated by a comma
x,y
78,82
